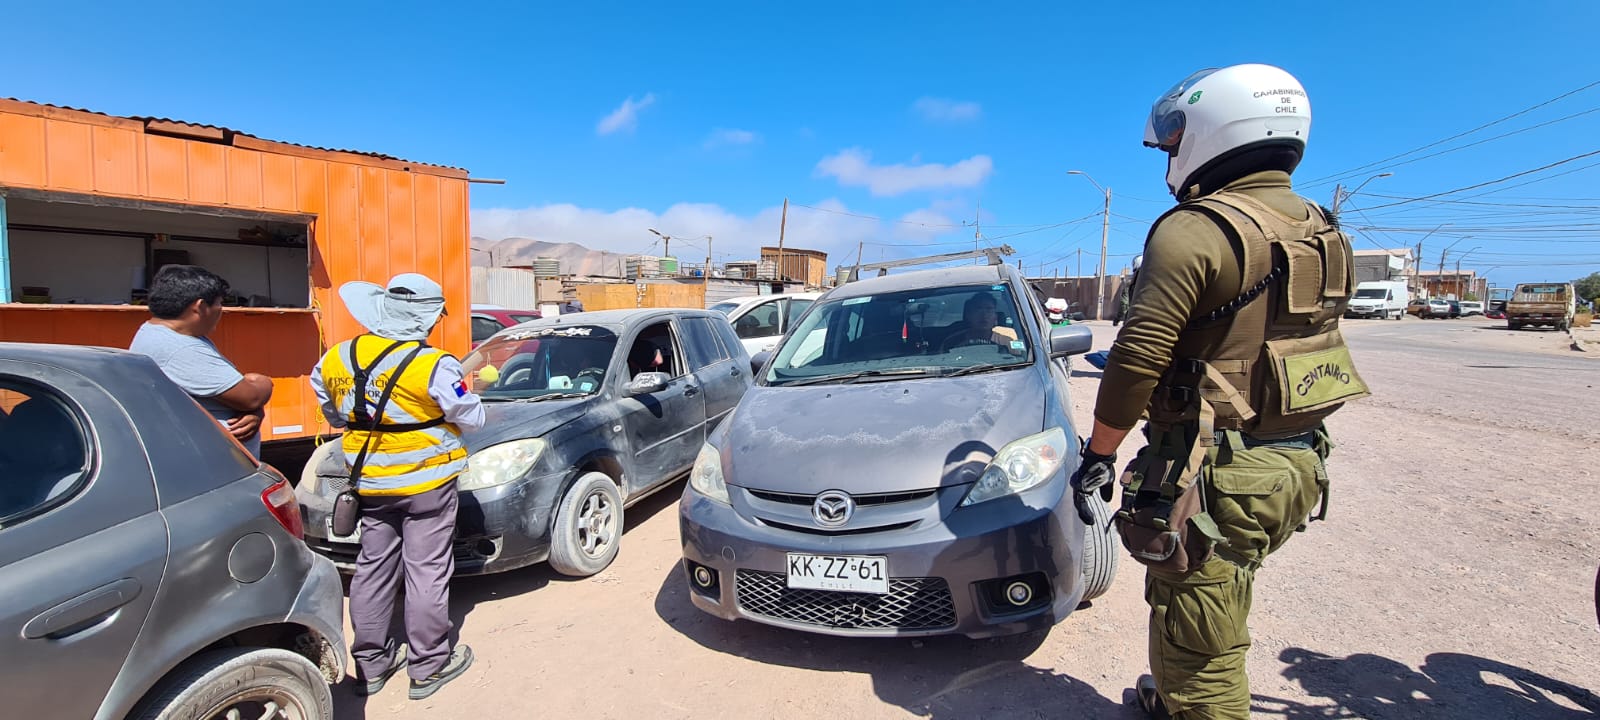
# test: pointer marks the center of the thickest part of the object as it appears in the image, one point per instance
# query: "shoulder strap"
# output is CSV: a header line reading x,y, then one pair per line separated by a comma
x,y
383,401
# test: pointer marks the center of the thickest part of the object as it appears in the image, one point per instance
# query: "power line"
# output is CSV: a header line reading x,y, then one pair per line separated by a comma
x,y
1491,182
1487,140
1324,180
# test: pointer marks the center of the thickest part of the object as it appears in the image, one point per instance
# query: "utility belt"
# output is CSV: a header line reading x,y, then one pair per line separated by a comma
x,y
1164,520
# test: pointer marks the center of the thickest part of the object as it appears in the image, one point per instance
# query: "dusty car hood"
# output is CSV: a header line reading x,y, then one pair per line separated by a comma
x,y
516,420
879,437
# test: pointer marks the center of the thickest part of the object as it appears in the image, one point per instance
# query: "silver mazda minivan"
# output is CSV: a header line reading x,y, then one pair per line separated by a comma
x,y
900,468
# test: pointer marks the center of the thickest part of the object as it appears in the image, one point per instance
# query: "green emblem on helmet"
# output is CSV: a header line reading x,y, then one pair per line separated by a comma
x,y
1195,97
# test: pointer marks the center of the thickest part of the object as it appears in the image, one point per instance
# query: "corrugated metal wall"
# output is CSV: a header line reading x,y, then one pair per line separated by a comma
x,y
506,287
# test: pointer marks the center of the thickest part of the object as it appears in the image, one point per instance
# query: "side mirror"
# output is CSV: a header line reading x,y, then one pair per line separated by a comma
x,y
647,383
759,361
1070,340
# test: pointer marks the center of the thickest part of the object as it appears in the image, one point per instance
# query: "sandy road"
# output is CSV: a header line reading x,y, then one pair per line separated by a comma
x,y
1452,579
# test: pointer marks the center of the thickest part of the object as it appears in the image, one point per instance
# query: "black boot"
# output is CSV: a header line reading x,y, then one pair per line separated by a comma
x,y
1149,699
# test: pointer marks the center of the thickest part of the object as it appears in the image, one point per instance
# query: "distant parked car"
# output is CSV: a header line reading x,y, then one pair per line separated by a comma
x,y
1417,307
490,319
149,566
587,414
1470,308
761,320
901,468
1437,308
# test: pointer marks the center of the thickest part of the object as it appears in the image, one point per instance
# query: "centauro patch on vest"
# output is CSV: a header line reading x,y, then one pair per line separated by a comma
x,y
1317,379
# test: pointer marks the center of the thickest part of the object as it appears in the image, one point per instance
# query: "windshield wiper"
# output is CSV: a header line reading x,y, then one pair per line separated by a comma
x,y
982,368
849,377
554,396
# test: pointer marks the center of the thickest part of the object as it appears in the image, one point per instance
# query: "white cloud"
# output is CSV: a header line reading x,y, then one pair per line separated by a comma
x,y
945,110
725,136
626,116
853,167
734,236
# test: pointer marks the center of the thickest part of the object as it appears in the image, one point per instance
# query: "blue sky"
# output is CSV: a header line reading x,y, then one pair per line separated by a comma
x,y
913,113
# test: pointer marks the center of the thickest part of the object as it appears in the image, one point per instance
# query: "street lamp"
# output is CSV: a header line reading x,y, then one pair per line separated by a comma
x,y
1458,267
1105,231
1339,196
1446,251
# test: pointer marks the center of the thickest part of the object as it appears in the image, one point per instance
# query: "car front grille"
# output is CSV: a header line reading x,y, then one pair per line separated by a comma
x,y
910,604
860,500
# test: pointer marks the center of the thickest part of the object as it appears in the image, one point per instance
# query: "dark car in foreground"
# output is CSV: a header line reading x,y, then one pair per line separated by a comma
x,y
149,567
901,468
587,413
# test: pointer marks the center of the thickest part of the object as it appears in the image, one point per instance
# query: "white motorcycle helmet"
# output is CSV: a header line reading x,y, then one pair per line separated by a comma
x,y
1215,112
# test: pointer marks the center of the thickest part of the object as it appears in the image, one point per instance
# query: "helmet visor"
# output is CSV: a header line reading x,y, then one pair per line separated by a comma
x,y
1164,130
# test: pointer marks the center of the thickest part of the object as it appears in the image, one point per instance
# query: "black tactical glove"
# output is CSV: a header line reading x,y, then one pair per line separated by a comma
x,y
1095,472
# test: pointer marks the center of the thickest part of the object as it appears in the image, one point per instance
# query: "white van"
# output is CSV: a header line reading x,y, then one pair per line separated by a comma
x,y
1383,299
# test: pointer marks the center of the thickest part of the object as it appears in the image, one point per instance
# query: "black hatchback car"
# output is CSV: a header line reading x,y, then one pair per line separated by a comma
x,y
900,468
587,414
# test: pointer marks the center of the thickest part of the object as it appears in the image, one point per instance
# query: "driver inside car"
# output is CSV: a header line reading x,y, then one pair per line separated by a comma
x,y
980,323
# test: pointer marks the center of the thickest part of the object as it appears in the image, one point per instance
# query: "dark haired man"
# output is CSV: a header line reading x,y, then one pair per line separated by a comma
x,y
185,307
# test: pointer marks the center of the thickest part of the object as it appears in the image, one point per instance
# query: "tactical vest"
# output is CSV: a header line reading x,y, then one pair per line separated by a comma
x,y
413,450
1280,366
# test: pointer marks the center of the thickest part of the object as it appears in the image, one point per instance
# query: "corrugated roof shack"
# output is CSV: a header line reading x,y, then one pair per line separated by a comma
x,y
92,205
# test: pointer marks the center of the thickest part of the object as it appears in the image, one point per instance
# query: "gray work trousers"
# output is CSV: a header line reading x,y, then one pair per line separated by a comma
x,y
411,535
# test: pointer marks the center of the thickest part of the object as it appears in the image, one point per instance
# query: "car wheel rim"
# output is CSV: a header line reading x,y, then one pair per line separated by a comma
x,y
258,704
596,524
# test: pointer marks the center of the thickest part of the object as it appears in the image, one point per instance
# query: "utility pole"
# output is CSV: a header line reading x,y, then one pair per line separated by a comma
x,y
1100,287
1338,195
783,224
977,232
708,258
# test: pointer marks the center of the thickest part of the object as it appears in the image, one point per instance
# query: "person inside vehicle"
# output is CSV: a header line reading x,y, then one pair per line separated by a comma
x,y
979,318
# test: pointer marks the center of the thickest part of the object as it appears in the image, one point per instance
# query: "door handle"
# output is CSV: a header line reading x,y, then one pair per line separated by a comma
x,y
734,371
691,391
76,614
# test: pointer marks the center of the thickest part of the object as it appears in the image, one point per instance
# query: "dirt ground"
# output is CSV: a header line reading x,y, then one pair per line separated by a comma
x,y
1452,579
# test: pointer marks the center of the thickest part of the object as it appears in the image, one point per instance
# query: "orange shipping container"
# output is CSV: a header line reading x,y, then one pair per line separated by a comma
x,y
91,205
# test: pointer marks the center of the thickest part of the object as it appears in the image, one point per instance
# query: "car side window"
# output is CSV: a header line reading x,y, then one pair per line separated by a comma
x,y
797,307
483,327
655,349
701,342
726,338
44,454
762,321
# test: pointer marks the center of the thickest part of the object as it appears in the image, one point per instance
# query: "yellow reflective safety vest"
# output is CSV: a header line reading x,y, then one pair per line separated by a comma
x,y
412,449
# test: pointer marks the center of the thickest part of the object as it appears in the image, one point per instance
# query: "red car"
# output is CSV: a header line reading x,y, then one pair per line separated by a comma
x,y
490,319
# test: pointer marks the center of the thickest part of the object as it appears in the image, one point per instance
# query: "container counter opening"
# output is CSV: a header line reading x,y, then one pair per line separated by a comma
x,y
62,249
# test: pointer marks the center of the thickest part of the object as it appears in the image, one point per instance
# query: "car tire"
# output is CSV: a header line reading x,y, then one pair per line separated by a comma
x,y
1101,548
587,528
208,685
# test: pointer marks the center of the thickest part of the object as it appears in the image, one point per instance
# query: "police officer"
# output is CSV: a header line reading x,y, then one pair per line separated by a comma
x,y
403,406
1231,349
1127,291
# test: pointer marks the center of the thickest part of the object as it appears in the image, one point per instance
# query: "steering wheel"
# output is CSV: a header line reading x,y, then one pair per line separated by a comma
x,y
597,374
966,340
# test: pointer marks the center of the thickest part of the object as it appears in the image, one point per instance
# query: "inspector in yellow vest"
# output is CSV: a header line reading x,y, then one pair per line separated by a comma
x,y
413,450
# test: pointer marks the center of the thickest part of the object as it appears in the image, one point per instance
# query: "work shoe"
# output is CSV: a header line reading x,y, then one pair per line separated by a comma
x,y
460,660
1149,699
371,686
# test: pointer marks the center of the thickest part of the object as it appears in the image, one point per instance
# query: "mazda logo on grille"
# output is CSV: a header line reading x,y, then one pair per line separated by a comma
x,y
833,509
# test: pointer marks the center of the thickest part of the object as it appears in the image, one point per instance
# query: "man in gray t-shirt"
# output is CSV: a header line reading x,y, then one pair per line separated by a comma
x,y
186,305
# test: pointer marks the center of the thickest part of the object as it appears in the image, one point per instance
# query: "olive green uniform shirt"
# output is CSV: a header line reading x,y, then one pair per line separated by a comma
x,y
1191,267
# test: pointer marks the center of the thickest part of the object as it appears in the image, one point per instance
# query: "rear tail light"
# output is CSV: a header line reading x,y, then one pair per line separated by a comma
x,y
280,501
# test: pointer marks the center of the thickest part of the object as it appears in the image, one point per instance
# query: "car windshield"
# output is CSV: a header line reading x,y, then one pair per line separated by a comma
x,y
1371,294
541,362
934,331
520,318
726,308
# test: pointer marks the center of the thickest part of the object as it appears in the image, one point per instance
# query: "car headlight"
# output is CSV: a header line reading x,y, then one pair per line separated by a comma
x,y
706,478
1022,465
500,464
